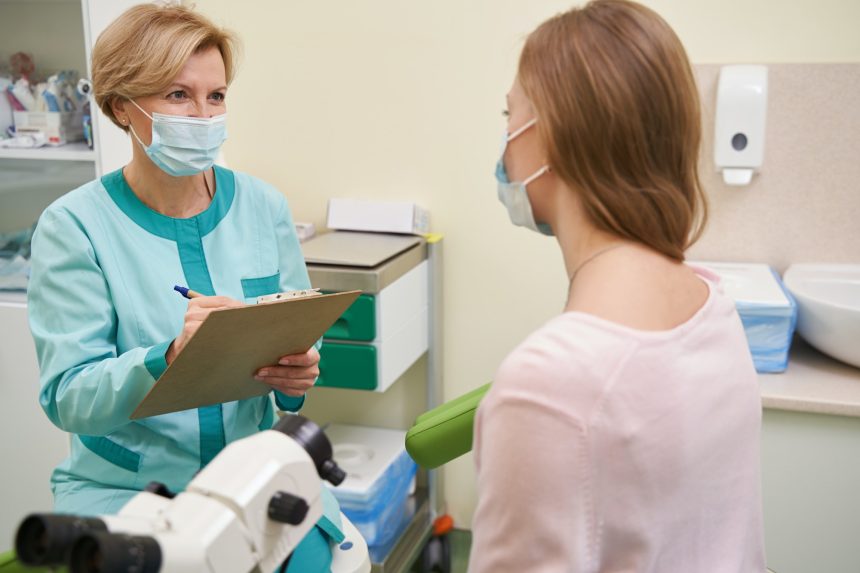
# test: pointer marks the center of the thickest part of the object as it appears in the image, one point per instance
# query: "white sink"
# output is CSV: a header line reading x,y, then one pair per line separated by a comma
x,y
828,308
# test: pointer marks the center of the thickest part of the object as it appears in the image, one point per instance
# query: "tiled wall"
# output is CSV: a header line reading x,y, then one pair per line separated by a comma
x,y
804,205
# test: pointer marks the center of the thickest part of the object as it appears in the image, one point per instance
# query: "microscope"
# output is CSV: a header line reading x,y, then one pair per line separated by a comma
x,y
246,511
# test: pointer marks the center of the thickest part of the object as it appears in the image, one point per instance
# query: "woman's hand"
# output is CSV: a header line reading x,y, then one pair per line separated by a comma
x,y
294,374
198,309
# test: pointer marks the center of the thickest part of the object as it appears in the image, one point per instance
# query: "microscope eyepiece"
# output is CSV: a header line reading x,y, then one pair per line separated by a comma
x,y
46,539
103,552
315,442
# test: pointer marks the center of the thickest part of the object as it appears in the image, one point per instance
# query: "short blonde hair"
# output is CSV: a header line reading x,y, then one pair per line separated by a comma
x,y
619,117
143,50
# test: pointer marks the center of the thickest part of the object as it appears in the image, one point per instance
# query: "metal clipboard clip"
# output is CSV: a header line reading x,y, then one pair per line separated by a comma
x,y
288,295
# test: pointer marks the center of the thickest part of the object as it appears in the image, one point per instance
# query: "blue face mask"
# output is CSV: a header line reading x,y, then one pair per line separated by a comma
x,y
513,194
183,145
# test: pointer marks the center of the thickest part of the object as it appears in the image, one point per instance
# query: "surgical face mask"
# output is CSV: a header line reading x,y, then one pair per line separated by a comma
x,y
513,194
184,145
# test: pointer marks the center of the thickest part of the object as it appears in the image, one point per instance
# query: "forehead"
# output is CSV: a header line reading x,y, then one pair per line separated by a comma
x,y
205,66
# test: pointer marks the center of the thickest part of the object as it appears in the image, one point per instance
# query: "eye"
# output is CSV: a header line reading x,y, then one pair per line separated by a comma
x,y
218,97
506,113
177,95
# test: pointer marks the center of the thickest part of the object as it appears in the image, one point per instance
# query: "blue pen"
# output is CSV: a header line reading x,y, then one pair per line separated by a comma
x,y
186,292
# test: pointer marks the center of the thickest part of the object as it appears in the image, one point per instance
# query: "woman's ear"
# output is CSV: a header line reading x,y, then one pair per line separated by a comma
x,y
117,106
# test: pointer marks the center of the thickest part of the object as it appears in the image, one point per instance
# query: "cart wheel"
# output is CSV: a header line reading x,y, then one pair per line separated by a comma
x,y
436,555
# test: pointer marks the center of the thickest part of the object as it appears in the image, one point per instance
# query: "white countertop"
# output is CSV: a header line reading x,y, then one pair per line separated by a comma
x,y
813,383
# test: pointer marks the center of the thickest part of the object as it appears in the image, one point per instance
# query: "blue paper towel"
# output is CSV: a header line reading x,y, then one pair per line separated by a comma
x,y
767,310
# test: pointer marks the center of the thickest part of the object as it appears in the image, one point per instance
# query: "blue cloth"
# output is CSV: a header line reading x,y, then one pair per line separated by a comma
x,y
14,263
103,313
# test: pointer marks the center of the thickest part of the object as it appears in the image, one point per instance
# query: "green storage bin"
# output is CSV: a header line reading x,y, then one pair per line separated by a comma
x,y
348,366
357,323
445,432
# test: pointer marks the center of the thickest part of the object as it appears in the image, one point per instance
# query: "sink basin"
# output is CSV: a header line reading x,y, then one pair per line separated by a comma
x,y
828,308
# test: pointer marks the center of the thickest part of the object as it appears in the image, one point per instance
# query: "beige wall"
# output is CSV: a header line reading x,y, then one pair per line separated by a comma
x,y
46,30
401,100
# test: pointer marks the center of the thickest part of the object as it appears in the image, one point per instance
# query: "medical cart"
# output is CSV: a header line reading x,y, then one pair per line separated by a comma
x,y
396,321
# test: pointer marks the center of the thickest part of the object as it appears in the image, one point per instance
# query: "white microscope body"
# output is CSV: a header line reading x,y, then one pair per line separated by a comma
x,y
246,511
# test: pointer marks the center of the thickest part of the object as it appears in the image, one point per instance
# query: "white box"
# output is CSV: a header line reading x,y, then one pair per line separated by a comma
x,y
377,216
59,127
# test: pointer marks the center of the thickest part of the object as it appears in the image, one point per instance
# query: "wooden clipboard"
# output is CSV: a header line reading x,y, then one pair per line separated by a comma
x,y
219,361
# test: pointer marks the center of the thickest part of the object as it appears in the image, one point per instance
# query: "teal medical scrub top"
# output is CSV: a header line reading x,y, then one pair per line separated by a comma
x,y
103,312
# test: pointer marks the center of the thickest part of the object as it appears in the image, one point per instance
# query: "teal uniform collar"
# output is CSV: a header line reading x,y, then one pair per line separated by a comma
x,y
169,227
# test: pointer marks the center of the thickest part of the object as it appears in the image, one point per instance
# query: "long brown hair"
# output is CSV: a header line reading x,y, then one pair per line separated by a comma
x,y
618,114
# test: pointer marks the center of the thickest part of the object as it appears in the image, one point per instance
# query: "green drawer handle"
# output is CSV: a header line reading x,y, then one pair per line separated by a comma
x,y
357,323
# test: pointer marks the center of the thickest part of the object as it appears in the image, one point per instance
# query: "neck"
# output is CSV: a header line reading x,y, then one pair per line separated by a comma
x,y
178,197
578,238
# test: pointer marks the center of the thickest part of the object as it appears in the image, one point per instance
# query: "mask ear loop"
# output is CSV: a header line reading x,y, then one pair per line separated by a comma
x,y
141,109
131,127
536,174
522,129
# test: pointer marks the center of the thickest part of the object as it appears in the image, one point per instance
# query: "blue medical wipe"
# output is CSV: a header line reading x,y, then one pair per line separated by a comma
x,y
769,330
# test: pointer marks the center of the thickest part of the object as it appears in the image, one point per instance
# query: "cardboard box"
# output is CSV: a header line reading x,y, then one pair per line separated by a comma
x,y
59,127
377,216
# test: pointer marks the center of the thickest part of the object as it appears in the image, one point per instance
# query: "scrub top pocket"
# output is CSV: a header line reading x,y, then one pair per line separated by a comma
x,y
254,287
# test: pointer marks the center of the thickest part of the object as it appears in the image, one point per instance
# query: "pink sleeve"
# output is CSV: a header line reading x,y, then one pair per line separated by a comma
x,y
535,510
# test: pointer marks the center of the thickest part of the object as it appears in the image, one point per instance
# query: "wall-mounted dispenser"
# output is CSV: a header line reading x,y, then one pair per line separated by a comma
x,y
740,122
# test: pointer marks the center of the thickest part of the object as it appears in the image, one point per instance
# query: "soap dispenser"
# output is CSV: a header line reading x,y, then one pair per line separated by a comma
x,y
740,122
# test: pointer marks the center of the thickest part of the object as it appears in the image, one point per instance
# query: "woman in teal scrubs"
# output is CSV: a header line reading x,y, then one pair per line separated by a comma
x,y
105,258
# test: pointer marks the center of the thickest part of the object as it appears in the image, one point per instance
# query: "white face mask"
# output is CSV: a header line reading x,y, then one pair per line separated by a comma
x,y
513,194
184,145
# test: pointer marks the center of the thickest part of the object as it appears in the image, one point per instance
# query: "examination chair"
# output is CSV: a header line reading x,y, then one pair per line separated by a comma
x,y
445,432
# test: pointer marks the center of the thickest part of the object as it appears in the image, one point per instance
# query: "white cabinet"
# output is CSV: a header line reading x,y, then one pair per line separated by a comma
x,y
59,34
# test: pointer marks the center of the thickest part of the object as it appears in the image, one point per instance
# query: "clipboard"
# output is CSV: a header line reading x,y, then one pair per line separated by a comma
x,y
218,363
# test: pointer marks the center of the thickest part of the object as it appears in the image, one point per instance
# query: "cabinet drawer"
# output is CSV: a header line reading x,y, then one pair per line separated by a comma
x,y
348,366
357,323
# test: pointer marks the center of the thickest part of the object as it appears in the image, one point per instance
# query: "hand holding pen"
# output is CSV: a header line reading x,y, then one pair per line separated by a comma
x,y
199,307
293,375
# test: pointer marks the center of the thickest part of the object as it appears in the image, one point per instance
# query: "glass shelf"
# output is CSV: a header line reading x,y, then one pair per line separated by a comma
x,y
69,152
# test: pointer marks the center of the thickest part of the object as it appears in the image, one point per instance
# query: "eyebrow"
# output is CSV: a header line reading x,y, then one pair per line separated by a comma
x,y
188,88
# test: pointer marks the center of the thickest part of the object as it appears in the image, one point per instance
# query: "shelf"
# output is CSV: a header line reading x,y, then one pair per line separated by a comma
x,y
13,298
813,383
69,152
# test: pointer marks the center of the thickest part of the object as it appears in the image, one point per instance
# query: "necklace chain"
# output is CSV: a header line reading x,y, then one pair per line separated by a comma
x,y
590,258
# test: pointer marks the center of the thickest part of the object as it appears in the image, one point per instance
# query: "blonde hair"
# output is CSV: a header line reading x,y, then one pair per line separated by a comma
x,y
619,118
143,50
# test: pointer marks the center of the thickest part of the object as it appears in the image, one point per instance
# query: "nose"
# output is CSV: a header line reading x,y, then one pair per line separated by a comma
x,y
203,108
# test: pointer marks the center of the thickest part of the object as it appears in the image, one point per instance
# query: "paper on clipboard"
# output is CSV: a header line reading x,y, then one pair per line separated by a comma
x,y
219,361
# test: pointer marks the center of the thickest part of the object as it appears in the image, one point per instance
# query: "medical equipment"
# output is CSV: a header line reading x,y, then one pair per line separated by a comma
x,y
245,511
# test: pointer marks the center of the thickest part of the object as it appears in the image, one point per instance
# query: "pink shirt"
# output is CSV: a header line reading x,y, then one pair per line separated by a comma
x,y
605,448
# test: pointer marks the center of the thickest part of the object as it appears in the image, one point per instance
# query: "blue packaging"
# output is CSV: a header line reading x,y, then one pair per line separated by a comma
x,y
375,495
766,308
